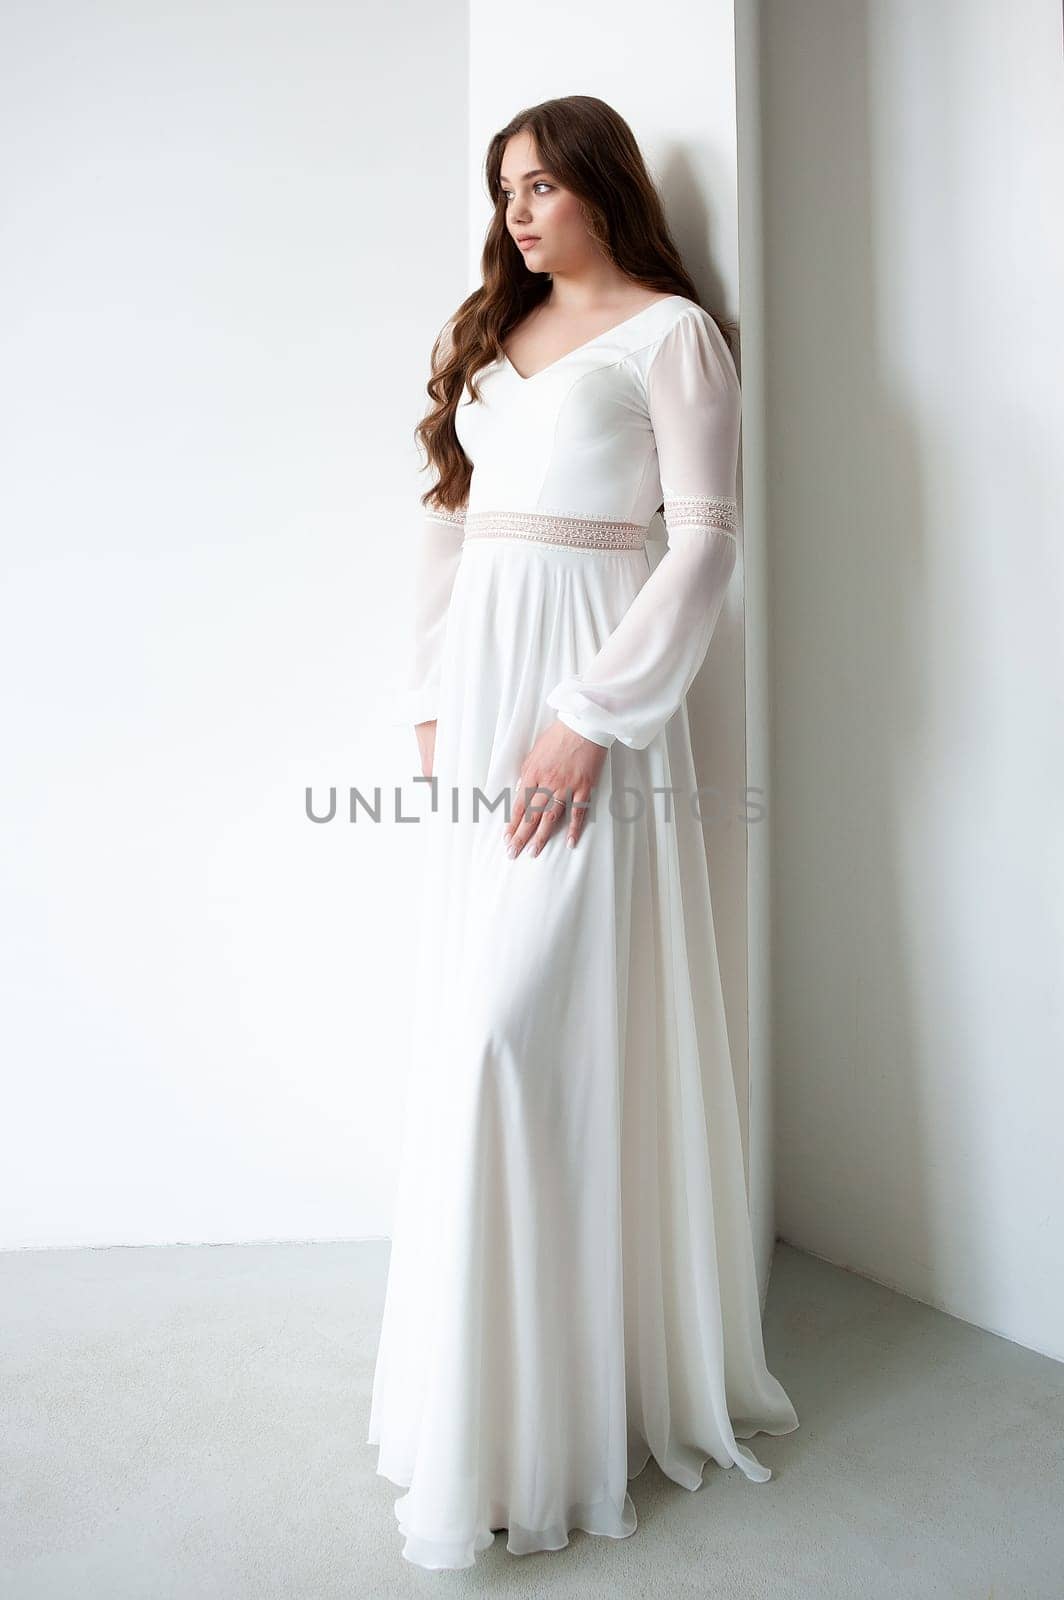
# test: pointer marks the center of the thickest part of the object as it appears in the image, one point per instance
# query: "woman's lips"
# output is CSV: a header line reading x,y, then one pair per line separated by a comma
x,y
526,244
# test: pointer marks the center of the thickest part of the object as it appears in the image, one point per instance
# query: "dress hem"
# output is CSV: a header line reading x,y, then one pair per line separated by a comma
x,y
436,1554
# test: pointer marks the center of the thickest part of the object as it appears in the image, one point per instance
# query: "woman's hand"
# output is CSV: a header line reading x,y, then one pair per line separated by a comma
x,y
426,743
561,763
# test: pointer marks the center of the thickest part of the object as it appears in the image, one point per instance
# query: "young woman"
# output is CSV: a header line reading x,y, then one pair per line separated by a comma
x,y
571,1287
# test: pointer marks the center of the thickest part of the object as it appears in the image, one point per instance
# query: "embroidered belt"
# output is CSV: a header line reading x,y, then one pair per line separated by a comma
x,y
582,533
590,533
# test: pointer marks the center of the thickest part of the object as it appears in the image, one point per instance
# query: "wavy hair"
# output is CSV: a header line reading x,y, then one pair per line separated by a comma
x,y
592,151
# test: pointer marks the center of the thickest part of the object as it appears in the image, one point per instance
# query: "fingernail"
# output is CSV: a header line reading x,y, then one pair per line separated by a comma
x,y
511,850
571,842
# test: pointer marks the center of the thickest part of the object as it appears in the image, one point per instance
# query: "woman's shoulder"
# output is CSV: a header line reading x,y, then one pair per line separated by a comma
x,y
676,321
685,310
683,346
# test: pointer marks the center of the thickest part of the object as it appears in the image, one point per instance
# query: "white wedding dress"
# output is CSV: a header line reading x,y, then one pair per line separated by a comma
x,y
571,1288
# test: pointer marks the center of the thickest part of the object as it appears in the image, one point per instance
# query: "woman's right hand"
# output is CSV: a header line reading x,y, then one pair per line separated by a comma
x,y
426,743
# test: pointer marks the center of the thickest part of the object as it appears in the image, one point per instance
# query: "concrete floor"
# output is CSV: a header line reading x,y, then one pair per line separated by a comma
x,y
188,1423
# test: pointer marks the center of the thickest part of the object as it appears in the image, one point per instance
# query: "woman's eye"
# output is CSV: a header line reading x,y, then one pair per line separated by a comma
x,y
507,194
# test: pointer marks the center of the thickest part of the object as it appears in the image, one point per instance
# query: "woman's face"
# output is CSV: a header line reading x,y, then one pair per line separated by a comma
x,y
543,219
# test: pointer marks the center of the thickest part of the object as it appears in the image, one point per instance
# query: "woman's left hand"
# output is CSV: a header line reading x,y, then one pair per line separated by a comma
x,y
561,763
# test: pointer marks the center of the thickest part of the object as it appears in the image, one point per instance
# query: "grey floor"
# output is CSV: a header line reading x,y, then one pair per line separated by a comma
x,y
189,1423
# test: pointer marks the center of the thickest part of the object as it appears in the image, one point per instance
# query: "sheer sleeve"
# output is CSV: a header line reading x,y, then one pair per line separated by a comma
x,y
644,668
438,545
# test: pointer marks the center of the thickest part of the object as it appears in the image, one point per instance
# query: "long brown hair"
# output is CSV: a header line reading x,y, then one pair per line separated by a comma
x,y
592,151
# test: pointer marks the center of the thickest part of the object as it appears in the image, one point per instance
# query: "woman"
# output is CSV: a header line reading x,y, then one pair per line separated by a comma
x,y
571,1286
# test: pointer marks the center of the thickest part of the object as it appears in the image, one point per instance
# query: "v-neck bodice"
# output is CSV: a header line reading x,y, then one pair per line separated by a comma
x,y
618,327
579,439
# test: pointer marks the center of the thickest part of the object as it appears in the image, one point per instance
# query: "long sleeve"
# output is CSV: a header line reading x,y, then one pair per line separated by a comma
x,y
439,546
644,668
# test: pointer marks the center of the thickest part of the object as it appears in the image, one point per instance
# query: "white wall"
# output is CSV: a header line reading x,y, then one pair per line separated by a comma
x,y
915,244
229,233
229,238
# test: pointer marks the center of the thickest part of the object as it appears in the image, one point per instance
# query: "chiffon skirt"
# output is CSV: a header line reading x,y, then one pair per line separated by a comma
x,y
571,1288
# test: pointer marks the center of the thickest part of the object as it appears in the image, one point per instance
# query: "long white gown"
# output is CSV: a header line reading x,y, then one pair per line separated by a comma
x,y
571,1287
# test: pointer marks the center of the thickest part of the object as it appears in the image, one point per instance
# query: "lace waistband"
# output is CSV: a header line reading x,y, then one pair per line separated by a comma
x,y
582,533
